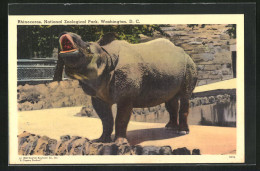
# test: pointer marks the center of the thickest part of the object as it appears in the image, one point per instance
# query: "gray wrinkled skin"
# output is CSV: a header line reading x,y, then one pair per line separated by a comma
x,y
131,76
148,73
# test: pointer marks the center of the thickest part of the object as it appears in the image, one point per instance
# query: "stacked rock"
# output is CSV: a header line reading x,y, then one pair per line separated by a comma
x,y
31,144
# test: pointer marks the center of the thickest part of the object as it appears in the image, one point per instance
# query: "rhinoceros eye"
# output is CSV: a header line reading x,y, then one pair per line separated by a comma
x,y
88,49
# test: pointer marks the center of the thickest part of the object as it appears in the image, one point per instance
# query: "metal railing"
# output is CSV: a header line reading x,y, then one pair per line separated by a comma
x,y
35,70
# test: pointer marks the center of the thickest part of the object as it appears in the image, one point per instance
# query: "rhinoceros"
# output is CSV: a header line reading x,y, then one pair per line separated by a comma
x,y
140,75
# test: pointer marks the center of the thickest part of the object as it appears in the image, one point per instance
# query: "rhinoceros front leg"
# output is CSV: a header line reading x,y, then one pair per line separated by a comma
x,y
104,112
124,110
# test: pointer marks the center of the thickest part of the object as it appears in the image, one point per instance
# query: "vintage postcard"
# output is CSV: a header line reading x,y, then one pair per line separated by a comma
x,y
126,89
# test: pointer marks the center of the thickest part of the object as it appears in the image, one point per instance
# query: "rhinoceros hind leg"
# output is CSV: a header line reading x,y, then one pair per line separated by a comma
x,y
183,116
185,94
172,107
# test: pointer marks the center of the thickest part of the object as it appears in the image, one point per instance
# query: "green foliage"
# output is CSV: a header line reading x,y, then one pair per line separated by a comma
x,y
196,25
192,25
39,41
202,25
232,32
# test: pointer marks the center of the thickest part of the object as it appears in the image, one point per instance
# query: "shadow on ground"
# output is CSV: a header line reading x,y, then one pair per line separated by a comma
x,y
138,136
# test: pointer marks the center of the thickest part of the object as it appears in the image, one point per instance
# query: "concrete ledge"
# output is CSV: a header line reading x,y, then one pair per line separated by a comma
x,y
224,85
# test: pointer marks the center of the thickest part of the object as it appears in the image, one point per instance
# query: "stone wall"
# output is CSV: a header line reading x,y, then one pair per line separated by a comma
x,y
207,108
51,95
219,110
31,144
208,46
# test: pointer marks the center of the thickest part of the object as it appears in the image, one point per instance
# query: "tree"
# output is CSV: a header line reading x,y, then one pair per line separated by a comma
x,y
192,25
39,41
232,32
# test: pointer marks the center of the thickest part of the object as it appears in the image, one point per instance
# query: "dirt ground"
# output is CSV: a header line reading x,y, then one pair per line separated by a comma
x,y
61,121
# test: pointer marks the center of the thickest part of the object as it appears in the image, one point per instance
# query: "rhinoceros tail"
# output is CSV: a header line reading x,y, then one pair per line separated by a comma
x,y
190,80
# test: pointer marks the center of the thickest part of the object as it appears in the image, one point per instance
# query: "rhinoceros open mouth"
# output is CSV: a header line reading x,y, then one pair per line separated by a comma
x,y
67,44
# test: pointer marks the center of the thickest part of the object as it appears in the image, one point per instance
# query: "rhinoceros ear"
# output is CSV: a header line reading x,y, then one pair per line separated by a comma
x,y
107,38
